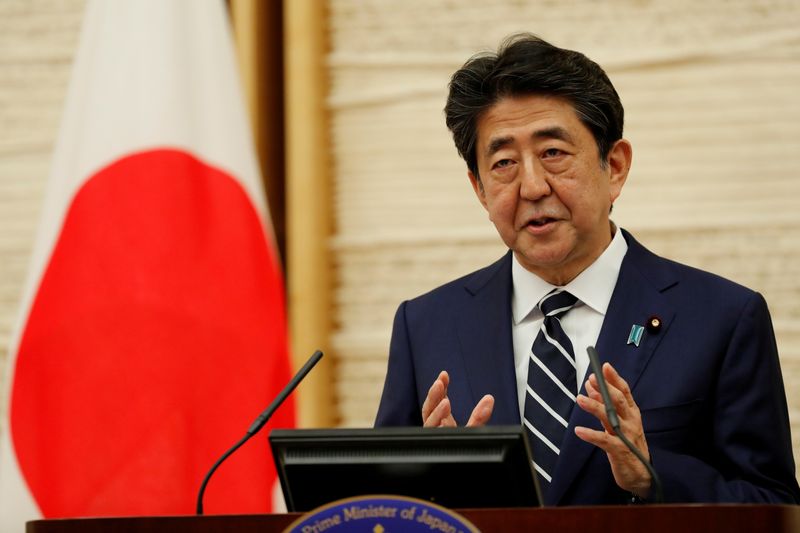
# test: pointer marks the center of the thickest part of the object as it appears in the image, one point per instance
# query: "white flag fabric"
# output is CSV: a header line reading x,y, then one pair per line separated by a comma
x,y
152,328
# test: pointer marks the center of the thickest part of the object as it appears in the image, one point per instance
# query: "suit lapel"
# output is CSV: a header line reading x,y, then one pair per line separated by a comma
x,y
489,358
637,296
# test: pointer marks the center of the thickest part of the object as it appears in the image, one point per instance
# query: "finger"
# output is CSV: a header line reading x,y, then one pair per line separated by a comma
x,y
436,394
445,377
631,417
615,380
592,391
482,412
434,397
620,403
440,416
601,439
595,408
618,453
622,397
627,470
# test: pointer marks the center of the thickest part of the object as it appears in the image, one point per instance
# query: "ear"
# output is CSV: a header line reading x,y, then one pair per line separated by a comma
x,y
619,164
477,186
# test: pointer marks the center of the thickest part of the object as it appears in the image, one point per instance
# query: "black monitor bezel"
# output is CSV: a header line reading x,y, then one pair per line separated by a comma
x,y
508,480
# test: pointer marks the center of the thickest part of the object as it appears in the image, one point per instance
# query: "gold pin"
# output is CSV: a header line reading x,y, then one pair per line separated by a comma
x,y
654,324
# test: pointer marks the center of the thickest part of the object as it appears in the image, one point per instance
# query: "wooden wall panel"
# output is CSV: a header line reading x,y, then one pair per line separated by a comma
x,y
710,95
37,43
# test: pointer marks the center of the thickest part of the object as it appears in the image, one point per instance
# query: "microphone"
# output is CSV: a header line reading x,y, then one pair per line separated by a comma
x,y
613,419
260,421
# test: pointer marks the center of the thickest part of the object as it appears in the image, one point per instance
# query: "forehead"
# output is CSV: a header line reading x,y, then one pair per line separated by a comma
x,y
521,117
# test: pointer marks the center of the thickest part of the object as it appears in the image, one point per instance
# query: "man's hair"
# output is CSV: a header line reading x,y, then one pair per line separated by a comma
x,y
525,65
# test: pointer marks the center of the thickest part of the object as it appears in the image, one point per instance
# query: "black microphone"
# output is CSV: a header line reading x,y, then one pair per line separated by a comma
x,y
260,421
613,419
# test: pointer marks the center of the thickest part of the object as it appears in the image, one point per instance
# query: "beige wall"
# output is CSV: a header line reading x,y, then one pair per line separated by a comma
x,y
710,91
37,42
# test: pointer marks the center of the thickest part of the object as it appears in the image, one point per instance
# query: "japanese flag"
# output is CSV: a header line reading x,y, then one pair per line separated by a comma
x,y
152,326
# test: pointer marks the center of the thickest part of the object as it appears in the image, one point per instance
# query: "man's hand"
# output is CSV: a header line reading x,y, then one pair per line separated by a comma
x,y
436,408
629,473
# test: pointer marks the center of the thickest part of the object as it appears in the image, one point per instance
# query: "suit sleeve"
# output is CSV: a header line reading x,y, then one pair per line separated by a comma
x,y
749,422
399,402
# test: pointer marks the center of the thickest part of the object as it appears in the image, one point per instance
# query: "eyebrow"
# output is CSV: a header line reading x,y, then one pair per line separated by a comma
x,y
556,132
497,144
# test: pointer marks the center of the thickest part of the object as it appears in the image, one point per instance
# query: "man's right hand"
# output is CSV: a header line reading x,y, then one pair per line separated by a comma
x,y
436,411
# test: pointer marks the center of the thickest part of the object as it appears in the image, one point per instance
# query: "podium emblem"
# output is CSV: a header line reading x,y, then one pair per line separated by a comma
x,y
381,514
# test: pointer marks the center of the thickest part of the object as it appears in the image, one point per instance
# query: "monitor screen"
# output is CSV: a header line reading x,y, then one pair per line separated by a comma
x,y
454,467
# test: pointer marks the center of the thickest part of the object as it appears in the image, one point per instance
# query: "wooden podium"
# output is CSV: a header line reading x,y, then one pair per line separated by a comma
x,y
622,519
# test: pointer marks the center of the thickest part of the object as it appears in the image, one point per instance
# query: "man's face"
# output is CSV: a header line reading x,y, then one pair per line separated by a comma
x,y
542,182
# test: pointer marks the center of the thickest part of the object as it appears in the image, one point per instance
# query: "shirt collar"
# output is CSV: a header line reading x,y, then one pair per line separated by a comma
x,y
593,286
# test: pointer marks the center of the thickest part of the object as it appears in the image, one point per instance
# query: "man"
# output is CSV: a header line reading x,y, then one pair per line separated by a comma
x,y
691,360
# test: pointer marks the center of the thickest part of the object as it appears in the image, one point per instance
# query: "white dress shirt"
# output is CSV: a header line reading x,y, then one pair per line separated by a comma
x,y
593,288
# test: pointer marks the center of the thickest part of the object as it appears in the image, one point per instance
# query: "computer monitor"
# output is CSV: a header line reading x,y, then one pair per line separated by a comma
x,y
453,467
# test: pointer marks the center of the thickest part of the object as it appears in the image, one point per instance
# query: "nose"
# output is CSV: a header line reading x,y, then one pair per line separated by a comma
x,y
535,183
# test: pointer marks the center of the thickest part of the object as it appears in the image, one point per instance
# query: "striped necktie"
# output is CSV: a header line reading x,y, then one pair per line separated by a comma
x,y
551,385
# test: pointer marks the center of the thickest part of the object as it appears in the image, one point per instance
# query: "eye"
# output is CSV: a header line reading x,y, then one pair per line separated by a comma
x,y
552,152
502,163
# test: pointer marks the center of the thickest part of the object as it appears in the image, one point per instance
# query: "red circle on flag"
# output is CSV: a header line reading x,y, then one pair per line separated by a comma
x,y
157,335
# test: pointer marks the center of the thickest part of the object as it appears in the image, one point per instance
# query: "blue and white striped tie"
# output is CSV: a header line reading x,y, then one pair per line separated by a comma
x,y
551,385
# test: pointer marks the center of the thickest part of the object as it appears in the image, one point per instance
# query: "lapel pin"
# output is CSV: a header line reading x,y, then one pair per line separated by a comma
x,y
653,324
635,336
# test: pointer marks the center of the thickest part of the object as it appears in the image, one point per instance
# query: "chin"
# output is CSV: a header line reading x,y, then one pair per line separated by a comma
x,y
540,261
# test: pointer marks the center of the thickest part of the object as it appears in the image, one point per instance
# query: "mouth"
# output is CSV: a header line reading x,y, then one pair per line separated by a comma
x,y
540,222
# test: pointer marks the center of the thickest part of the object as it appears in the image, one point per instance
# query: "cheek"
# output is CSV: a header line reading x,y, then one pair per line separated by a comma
x,y
571,194
502,205
587,198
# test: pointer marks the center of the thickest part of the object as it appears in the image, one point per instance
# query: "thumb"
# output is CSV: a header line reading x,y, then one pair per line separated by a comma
x,y
482,412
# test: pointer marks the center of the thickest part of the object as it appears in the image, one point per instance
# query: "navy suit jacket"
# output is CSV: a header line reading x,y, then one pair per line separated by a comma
x,y
708,383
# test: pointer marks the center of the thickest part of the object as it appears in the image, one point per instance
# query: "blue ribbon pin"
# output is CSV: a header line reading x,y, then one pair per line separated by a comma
x,y
635,336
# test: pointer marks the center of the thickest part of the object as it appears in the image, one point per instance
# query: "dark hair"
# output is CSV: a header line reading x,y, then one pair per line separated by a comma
x,y
525,64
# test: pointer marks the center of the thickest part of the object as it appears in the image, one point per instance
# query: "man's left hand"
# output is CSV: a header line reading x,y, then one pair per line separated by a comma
x,y
629,473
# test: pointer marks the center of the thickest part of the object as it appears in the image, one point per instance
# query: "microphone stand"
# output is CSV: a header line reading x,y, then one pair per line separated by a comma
x,y
259,422
613,419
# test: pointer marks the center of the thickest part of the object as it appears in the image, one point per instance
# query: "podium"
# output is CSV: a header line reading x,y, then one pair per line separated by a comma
x,y
619,519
